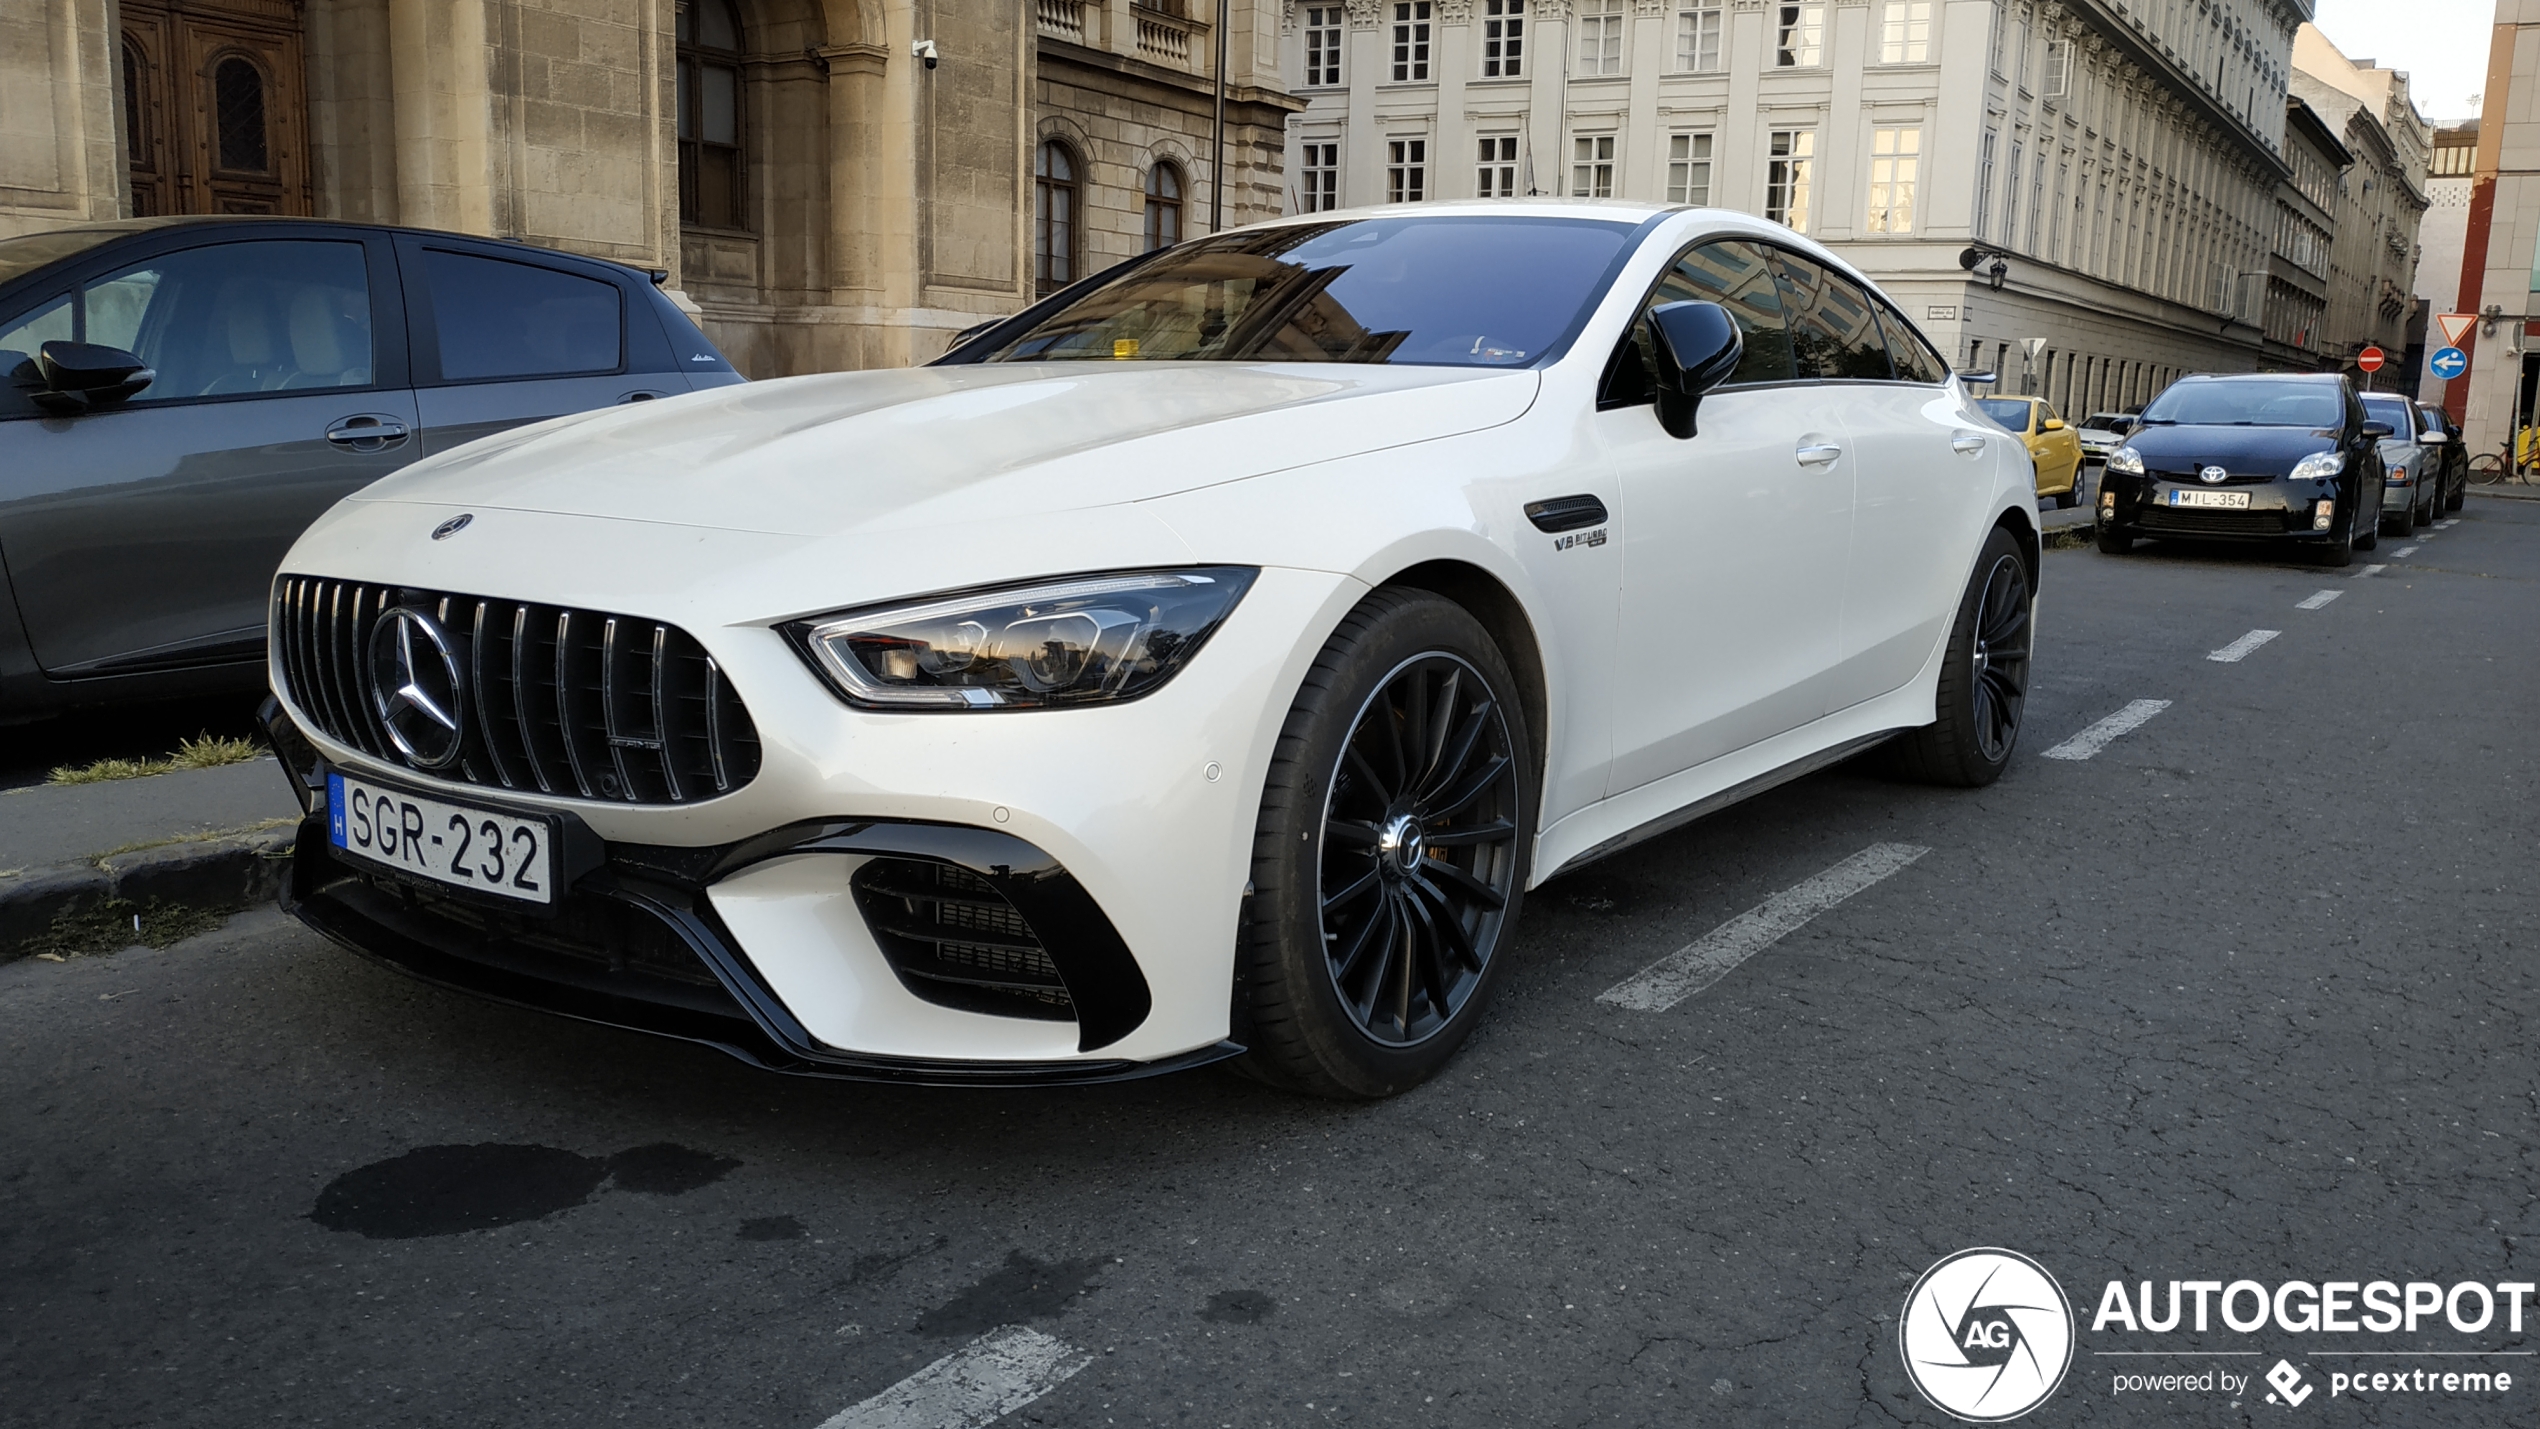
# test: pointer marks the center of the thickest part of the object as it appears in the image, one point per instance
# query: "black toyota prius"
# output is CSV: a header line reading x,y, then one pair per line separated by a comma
x,y
2288,457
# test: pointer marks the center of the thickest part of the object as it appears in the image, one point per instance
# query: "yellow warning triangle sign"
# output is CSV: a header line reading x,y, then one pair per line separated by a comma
x,y
2455,327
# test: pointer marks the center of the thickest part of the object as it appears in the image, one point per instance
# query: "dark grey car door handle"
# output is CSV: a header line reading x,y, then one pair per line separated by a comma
x,y
368,432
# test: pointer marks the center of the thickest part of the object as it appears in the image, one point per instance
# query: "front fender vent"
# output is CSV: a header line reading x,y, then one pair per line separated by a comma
x,y
954,940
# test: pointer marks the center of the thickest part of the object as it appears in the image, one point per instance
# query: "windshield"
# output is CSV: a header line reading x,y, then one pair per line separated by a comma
x,y
2107,421
2009,413
1456,292
2393,410
2248,404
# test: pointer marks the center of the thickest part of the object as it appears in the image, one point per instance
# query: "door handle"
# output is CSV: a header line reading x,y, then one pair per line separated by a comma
x,y
1818,453
641,396
1967,443
368,432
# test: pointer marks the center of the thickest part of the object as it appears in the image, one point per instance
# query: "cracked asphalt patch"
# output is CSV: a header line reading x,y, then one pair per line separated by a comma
x,y
2247,994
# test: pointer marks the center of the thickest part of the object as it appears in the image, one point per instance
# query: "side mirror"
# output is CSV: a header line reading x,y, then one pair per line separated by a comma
x,y
2053,424
1979,379
1699,346
82,375
2376,430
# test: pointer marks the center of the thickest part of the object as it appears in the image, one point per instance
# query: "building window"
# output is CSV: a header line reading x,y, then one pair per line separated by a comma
x,y
1905,32
1689,168
238,117
1406,169
1799,37
1322,45
1503,39
1411,42
2059,69
710,168
1322,173
2011,195
1896,157
1164,207
1054,217
1497,176
1601,27
1698,35
1592,166
1786,177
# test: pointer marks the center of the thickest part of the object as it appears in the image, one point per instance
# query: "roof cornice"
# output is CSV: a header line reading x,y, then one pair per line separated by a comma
x,y
2182,85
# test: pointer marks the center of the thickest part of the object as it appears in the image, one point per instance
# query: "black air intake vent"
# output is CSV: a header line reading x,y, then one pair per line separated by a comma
x,y
577,703
955,940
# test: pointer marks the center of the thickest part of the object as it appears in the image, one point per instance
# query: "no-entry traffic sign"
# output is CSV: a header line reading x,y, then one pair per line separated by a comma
x,y
2370,359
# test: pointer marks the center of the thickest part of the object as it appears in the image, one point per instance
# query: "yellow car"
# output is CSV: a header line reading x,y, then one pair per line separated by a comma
x,y
2054,447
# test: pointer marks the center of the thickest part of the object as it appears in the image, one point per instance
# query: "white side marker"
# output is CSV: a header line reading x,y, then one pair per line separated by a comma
x,y
2316,601
2403,553
2090,741
2236,651
1699,964
2368,571
978,1384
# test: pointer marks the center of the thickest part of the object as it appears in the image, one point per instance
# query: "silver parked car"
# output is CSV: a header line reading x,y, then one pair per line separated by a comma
x,y
2102,433
179,398
2412,463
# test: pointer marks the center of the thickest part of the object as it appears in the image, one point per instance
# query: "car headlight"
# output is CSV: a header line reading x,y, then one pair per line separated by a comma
x,y
2126,461
1081,640
2319,466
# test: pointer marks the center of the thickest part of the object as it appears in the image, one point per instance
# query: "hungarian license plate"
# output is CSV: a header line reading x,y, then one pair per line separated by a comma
x,y
462,845
2229,500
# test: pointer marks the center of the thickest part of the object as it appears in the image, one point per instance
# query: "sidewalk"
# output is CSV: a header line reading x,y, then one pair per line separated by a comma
x,y
205,838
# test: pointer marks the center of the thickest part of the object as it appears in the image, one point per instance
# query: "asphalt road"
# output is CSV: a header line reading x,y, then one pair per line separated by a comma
x,y
2245,995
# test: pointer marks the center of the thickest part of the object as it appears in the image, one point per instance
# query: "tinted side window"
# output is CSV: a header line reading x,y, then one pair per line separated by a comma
x,y
1915,361
1737,277
20,336
1834,332
501,319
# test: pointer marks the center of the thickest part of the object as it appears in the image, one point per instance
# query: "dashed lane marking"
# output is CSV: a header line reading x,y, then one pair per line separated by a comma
x,y
1697,965
2447,523
2090,741
2238,650
2368,571
2403,553
2316,601
978,1384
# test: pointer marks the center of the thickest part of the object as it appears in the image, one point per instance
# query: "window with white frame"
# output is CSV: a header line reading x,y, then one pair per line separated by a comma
x,y
1799,36
1322,45
1896,159
1787,173
1497,175
1503,39
2058,80
1406,169
1602,27
1321,175
2011,195
1984,185
1689,168
1411,41
1592,166
1698,25
1905,32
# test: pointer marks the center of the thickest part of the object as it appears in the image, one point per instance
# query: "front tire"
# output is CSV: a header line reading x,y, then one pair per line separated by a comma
x,y
2113,541
1390,856
1983,677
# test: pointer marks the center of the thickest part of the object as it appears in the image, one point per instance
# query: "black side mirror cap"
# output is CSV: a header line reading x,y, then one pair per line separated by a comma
x,y
1698,346
2376,430
81,375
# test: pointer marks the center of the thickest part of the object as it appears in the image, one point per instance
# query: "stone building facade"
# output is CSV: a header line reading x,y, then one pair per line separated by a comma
x,y
2500,260
2444,236
2381,202
818,188
2306,209
2116,165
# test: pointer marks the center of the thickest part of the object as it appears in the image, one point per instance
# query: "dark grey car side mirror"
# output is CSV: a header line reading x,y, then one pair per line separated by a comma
x,y
81,375
2377,430
1698,346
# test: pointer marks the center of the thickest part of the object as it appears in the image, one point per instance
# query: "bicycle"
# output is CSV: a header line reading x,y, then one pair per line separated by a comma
x,y
2492,468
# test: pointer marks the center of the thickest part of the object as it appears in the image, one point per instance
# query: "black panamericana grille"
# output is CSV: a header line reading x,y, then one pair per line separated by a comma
x,y
577,703
2193,521
955,940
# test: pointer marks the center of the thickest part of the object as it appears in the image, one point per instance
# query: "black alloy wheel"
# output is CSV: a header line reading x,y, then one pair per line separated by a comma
x,y
1419,849
2001,657
1390,857
1983,677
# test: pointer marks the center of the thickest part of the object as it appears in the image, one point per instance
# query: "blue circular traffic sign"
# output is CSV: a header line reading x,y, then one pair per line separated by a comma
x,y
2448,362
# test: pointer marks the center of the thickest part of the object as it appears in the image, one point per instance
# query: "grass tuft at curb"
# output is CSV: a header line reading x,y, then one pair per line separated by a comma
x,y
113,924
204,751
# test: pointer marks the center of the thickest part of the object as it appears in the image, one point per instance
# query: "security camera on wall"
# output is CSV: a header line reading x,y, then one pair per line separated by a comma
x,y
925,50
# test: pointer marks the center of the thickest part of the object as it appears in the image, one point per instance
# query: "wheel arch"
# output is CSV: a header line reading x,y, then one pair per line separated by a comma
x,y
1489,600
2023,528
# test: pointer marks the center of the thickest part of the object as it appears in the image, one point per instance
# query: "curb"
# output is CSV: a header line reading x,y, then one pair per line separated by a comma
x,y
227,873
2527,494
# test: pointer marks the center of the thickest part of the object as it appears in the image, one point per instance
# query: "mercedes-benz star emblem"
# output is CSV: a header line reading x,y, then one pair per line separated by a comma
x,y
453,526
414,684
2212,476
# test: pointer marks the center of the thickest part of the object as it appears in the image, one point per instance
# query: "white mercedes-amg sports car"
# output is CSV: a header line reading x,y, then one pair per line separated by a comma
x,y
1202,663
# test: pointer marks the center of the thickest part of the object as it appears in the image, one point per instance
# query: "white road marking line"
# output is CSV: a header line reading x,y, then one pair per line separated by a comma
x,y
978,1384
2447,523
2368,571
2090,741
2316,601
2238,650
2403,553
1716,954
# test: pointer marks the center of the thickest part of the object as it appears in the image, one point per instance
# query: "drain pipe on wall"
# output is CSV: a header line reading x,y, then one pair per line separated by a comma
x,y
1217,135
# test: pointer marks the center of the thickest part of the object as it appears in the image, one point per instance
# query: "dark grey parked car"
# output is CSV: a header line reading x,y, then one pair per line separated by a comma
x,y
288,363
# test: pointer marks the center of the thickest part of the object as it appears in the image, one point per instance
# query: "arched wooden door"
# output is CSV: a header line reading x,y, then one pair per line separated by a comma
x,y
216,106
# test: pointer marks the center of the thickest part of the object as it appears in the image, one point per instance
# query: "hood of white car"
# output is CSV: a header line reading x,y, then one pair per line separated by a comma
x,y
922,447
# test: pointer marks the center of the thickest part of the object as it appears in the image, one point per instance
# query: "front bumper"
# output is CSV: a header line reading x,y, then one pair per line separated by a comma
x,y
2279,509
